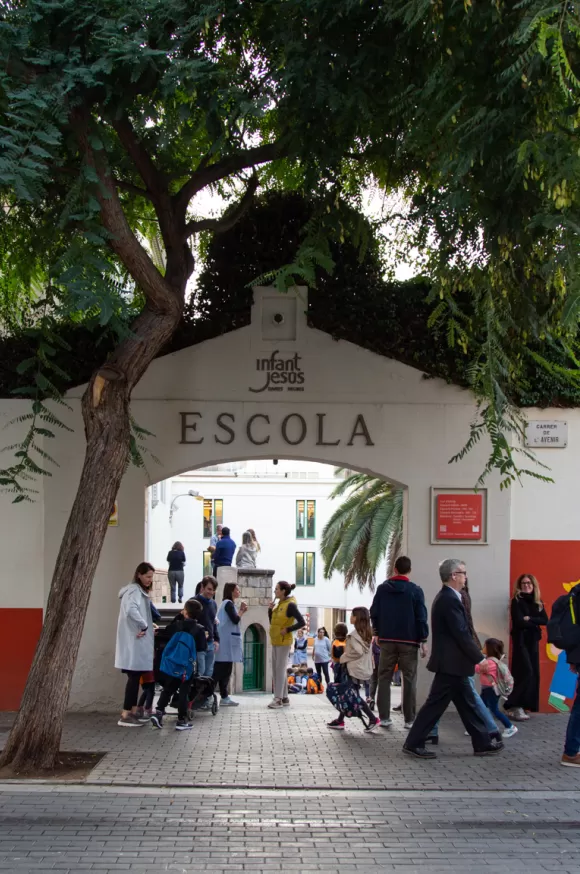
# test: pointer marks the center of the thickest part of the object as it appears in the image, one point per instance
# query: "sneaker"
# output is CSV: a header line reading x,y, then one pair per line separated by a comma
x,y
372,726
229,702
570,761
509,732
157,719
139,713
519,715
337,724
276,704
130,722
147,714
408,725
385,723
285,702
183,726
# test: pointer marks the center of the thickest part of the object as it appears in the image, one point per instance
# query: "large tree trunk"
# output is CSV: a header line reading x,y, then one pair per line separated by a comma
x,y
35,737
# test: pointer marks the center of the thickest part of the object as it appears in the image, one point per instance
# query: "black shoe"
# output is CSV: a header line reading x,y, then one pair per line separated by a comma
x,y
432,739
419,752
491,750
397,709
496,735
157,719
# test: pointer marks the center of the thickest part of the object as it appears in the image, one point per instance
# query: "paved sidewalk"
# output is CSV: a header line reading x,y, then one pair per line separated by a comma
x,y
251,746
105,831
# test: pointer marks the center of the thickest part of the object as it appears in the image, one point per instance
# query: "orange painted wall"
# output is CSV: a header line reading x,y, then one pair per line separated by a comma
x,y
19,632
552,562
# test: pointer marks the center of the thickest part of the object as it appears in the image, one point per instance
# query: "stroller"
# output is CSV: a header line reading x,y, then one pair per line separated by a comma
x,y
200,691
201,688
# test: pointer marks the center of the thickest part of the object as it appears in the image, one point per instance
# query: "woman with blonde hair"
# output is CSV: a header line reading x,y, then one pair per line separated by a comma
x,y
527,617
255,543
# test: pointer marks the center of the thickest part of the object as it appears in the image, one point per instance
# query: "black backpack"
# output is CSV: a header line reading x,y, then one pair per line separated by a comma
x,y
563,625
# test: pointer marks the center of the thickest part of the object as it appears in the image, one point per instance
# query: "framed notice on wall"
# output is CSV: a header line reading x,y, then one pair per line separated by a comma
x,y
459,516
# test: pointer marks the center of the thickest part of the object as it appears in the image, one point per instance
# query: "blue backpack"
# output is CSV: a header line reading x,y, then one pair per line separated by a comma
x,y
179,656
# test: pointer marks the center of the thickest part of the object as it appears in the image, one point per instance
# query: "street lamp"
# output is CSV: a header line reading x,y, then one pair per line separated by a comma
x,y
190,494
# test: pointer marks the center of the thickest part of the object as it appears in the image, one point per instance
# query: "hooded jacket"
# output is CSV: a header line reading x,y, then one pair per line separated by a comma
x,y
134,653
398,612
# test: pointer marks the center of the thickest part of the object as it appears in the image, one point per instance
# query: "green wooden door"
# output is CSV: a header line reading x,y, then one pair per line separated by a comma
x,y
253,660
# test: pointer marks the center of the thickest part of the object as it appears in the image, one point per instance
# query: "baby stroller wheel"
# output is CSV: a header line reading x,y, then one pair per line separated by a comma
x,y
214,706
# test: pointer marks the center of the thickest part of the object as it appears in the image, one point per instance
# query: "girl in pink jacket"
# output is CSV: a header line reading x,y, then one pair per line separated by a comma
x,y
494,652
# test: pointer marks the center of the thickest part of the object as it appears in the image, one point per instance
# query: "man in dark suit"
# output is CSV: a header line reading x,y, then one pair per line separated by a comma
x,y
453,659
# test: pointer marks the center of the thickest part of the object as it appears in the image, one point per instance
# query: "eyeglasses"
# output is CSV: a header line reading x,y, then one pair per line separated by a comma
x,y
460,572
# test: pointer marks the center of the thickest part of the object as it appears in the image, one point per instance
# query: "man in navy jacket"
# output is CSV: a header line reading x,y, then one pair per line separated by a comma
x,y
224,551
399,619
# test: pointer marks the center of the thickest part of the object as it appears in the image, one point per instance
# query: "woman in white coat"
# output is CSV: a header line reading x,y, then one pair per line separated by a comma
x,y
135,636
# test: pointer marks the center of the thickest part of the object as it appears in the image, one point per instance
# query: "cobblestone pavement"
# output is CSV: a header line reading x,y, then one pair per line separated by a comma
x,y
106,830
251,746
321,800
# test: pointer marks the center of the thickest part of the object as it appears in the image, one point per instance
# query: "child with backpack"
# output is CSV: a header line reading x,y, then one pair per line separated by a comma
x,y
496,682
178,664
357,665
337,649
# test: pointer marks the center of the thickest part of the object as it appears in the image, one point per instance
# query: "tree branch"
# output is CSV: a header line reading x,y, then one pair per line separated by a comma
x,y
230,217
204,176
159,294
154,180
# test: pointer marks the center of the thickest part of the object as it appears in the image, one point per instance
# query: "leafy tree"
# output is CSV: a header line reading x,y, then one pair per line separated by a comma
x,y
363,530
114,116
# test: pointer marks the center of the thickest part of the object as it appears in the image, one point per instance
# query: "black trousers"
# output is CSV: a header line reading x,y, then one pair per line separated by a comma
x,y
131,689
222,671
444,689
147,696
322,667
526,674
171,685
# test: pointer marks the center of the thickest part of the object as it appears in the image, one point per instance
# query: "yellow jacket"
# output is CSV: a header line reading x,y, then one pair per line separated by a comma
x,y
279,620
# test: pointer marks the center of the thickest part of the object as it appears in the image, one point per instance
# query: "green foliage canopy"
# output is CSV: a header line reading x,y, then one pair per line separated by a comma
x,y
114,116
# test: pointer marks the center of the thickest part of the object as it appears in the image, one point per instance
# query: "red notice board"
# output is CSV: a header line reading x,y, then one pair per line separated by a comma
x,y
459,517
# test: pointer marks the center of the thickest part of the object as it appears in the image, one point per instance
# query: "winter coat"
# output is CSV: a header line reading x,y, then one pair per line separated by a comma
x,y
357,657
134,653
246,557
398,612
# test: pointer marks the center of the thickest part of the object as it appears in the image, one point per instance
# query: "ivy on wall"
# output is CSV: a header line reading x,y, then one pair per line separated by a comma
x,y
353,303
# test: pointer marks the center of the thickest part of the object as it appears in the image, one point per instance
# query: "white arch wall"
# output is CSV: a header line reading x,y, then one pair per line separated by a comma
x,y
415,426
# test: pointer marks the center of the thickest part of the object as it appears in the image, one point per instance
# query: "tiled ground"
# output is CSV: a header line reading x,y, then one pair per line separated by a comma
x,y
105,830
251,746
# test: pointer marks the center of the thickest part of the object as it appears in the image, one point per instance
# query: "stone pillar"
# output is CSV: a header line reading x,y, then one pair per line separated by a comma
x,y
256,585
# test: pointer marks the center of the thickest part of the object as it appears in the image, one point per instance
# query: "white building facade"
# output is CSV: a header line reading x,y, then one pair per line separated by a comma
x,y
286,503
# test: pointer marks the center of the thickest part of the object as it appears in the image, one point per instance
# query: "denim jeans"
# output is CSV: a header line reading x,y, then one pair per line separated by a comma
x,y
209,659
572,745
483,712
491,701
